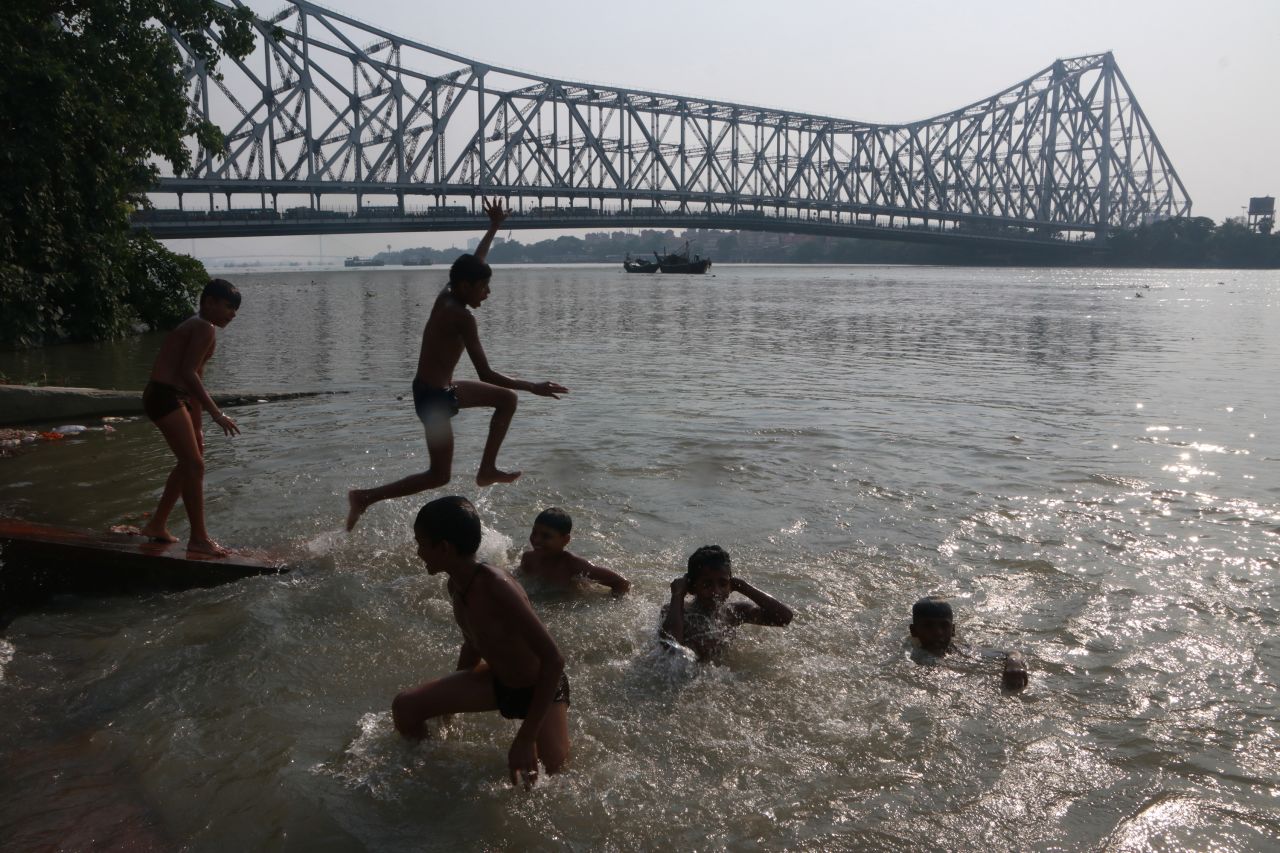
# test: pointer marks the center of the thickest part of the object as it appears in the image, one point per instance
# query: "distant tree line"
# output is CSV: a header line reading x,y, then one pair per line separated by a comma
x,y
1191,242
91,96
1196,242
720,246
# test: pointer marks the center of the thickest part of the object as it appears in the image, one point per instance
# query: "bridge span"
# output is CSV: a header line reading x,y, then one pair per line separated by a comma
x,y
408,137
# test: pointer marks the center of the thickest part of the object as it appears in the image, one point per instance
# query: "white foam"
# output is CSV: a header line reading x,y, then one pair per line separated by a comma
x,y
494,546
323,543
378,758
6,656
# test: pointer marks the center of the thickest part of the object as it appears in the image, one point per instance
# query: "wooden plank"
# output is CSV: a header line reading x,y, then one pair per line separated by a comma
x,y
41,560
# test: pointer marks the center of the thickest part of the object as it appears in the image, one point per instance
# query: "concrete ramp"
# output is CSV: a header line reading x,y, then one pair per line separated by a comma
x,y
24,404
40,560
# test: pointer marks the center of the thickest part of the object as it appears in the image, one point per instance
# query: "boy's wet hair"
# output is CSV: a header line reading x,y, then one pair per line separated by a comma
x,y
220,288
706,558
931,607
555,518
450,519
469,268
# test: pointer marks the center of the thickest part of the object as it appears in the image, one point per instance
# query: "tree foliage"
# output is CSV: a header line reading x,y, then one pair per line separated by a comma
x,y
92,98
1196,242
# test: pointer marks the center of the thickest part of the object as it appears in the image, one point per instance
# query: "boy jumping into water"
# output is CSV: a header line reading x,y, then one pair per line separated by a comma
x,y
450,329
508,661
174,399
550,561
706,624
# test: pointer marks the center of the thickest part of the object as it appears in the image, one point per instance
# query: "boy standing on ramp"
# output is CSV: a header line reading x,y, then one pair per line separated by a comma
x,y
173,400
450,329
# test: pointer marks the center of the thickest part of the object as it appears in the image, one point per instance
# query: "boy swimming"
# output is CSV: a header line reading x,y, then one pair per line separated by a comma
x,y
706,624
508,661
933,630
450,329
173,400
550,561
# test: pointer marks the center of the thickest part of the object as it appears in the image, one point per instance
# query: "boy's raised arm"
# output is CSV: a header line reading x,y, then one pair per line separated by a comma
x,y
673,625
496,213
767,611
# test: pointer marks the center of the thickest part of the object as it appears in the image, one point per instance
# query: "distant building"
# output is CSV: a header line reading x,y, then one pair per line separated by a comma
x,y
1262,213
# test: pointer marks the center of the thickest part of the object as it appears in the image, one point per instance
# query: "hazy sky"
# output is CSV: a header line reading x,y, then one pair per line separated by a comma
x,y
1207,74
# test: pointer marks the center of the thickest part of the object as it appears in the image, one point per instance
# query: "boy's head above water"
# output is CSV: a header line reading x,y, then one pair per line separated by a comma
x,y
447,529
469,279
710,575
219,302
933,624
551,530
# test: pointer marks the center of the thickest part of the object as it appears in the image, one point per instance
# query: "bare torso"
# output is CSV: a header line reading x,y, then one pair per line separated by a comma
x,y
488,629
174,352
556,568
442,341
707,632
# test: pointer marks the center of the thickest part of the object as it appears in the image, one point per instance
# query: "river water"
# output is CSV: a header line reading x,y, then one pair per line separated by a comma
x,y
1084,461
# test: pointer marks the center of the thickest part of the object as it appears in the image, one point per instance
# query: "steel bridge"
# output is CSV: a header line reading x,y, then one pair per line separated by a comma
x,y
408,137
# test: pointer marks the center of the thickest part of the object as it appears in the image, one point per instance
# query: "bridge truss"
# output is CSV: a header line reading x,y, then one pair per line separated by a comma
x,y
328,105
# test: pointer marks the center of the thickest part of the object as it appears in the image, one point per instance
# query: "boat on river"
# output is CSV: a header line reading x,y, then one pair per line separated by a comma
x,y
357,261
671,263
640,264
680,262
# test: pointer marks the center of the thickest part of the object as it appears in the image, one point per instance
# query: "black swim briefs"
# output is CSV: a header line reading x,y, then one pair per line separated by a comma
x,y
431,402
160,399
513,702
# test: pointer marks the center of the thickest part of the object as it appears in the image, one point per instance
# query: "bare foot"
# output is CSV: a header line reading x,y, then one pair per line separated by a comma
x,y
207,546
356,505
157,534
489,476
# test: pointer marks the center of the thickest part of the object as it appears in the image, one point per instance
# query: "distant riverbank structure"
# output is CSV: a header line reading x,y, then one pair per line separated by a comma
x,y
1262,213
407,137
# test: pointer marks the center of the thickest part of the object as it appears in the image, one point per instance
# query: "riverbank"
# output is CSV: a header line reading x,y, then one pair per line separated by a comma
x,y
27,404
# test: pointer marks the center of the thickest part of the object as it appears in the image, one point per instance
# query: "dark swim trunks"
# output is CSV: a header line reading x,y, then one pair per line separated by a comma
x,y
160,399
431,402
513,702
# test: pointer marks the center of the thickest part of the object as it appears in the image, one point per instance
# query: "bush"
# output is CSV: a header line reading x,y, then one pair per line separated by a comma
x,y
91,96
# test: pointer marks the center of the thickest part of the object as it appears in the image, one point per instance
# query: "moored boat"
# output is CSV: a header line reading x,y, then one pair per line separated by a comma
x,y
639,264
680,262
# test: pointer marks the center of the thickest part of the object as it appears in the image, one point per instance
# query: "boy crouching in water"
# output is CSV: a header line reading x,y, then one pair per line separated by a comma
x,y
551,562
508,661
174,399
706,624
